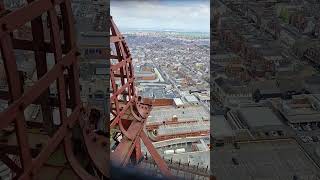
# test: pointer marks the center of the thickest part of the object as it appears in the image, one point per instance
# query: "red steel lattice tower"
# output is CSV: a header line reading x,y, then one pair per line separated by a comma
x,y
65,73
129,112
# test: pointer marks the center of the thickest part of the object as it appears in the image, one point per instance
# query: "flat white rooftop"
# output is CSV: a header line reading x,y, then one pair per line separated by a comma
x,y
159,114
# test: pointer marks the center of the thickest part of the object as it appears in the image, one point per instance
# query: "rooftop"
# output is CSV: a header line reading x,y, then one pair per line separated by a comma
x,y
266,87
276,160
188,113
184,128
232,86
178,101
191,99
259,117
301,109
220,127
157,93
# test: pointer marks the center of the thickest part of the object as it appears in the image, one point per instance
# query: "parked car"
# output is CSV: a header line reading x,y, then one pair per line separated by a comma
x,y
274,133
314,127
280,133
308,128
293,127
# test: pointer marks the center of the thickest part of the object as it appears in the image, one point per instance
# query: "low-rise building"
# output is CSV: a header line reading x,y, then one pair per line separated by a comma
x,y
260,120
301,109
232,92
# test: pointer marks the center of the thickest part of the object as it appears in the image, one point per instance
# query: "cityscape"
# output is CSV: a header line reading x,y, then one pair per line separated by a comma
x,y
172,69
265,95
179,89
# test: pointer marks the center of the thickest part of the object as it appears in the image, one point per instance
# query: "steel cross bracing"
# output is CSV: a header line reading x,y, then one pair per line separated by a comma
x,y
129,111
65,72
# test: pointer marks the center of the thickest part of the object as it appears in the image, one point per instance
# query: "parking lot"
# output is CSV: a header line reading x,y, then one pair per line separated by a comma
x,y
306,127
308,133
310,139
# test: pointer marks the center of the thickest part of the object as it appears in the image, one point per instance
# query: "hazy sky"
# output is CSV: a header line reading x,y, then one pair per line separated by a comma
x,y
186,15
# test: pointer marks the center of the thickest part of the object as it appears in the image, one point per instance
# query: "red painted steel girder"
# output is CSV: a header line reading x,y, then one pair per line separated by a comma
x,y
65,73
129,111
